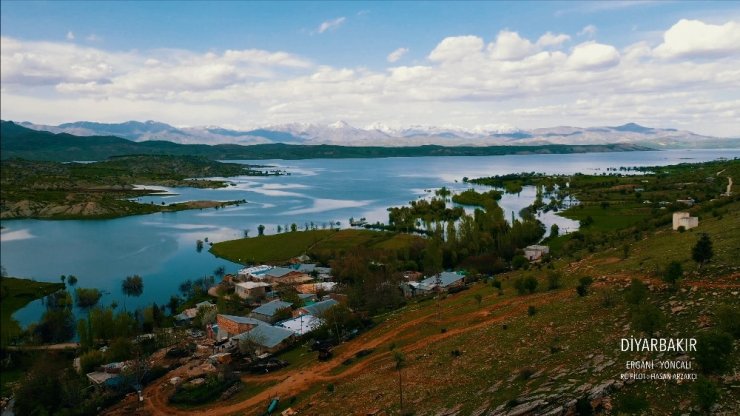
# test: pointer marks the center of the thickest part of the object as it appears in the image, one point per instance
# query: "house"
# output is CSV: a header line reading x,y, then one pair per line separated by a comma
x,y
411,289
535,252
268,311
187,316
688,202
307,297
316,309
108,375
685,220
412,276
316,287
266,338
441,281
230,325
254,272
301,325
252,290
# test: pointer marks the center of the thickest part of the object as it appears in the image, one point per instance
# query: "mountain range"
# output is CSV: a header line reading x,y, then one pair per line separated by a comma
x,y
343,134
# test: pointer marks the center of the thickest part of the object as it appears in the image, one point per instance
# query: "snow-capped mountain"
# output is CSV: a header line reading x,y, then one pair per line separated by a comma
x,y
379,134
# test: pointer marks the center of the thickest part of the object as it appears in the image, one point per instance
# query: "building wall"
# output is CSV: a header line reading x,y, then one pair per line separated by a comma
x,y
231,327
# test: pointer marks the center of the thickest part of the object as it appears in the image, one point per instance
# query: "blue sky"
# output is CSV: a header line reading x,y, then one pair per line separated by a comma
x,y
358,37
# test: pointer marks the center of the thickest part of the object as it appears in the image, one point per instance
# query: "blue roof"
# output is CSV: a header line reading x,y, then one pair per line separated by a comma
x,y
270,308
318,308
266,335
445,279
243,319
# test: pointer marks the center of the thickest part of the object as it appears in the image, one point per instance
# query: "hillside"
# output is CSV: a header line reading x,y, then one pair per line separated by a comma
x,y
19,142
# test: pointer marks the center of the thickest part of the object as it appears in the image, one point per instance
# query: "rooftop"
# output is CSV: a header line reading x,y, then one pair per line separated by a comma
x,y
270,308
444,279
301,325
252,285
242,319
318,308
266,335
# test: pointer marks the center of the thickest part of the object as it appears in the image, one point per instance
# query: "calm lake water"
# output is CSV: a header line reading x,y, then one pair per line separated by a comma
x,y
162,247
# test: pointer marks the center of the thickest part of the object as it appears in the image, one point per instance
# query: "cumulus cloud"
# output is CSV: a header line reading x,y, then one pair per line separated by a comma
x,y
509,46
456,48
588,30
331,24
592,55
551,39
465,81
696,39
397,54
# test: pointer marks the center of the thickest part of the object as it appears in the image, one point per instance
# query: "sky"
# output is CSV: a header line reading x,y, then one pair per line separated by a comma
x,y
470,64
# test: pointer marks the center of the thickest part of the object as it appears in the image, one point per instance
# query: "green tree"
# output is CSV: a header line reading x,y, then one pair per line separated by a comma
x,y
261,230
702,252
583,285
400,362
554,231
132,286
673,273
728,320
293,227
525,285
87,298
71,280
706,393
636,292
647,318
553,280
713,350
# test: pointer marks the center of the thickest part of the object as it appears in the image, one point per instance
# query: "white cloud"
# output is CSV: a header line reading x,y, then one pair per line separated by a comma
x,y
70,35
331,24
456,48
588,30
696,39
509,46
397,54
551,39
592,55
512,79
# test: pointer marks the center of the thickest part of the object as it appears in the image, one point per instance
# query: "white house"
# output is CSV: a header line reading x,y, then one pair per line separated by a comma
x,y
254,290
535,252
685,220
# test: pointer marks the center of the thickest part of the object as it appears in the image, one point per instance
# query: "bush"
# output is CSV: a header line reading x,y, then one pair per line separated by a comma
x,y
647,318
210,390
531,310
632,403
90,360
636,292
713,351
607,297
519,262
706,393
87,298
525,285
553,280
728,320
496,284
583,284
673,273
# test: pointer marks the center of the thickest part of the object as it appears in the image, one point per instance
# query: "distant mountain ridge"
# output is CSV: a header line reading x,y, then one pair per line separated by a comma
x,y
17,141
342,133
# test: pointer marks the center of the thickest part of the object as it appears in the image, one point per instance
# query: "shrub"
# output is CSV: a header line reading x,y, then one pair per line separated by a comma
x,y
632,403
525,285
553,280
706,393
728,320
531,310
713,351
496,284
673,273
608,297
647,318
583,284
90,360
636,292
519,262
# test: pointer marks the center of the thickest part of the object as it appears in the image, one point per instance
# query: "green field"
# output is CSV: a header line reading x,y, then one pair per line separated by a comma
x,y
16,293
282,247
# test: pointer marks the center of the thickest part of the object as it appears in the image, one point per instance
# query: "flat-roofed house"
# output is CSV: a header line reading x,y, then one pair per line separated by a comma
x,y
251,290
266,338
535,252
316,309
685,220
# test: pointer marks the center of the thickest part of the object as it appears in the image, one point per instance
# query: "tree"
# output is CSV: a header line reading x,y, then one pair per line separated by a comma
x,y
636,292
706,393
261,230
583,284
713,350
525,285
293,227
673,273
554,231
71,280
400,361
647,318
478,298
220,272
553,280
132,286
246,232
87,298
279,229
702,252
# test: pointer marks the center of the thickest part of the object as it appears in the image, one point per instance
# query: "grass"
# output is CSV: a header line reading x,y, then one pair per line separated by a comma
x,y
16,293
279,248
614,217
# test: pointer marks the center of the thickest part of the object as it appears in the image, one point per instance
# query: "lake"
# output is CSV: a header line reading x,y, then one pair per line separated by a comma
x,y
161,247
